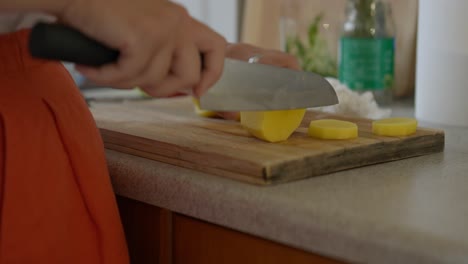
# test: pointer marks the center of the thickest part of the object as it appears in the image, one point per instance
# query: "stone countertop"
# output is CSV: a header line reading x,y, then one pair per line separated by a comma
x,y
407,211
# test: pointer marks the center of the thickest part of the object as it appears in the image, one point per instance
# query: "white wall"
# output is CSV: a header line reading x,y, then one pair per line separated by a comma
x,y
221,15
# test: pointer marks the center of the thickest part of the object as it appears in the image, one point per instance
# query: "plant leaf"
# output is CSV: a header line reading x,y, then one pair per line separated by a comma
x,y
314,29
301,50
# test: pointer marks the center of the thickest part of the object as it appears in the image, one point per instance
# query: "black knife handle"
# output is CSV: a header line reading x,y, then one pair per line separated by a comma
x,y
63,43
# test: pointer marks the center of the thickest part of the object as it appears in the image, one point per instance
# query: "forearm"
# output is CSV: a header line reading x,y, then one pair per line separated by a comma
x,y
54,7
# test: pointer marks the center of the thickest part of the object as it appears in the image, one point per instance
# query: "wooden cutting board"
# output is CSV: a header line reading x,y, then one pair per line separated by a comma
x,y
169,131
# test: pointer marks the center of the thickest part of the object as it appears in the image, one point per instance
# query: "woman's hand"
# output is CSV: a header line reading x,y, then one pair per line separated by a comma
x,y
160,45
272,57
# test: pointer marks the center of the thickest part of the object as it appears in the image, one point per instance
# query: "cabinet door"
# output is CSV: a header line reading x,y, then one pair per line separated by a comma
x,y
198,242
147,230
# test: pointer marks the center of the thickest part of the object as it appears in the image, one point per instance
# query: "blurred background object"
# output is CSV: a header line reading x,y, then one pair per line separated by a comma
x,y
309,36
367,48
265,21
442,78
223,16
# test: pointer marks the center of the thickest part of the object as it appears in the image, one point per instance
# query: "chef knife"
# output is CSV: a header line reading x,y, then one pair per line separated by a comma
x,y
242,87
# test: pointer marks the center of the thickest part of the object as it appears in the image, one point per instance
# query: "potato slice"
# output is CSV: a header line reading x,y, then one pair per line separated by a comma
x,y
201,112
332,129
395,127
272,126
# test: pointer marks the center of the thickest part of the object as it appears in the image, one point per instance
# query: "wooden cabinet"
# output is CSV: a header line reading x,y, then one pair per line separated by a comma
x,y
148,230
156,235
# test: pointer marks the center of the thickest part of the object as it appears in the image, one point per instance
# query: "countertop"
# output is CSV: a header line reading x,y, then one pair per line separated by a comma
x,y
408,211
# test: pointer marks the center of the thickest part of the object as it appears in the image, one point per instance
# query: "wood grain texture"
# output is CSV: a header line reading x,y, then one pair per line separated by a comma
x,y
148,230
198,242
168,130
165,236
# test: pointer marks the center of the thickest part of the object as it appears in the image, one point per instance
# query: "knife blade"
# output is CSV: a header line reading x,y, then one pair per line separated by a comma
x,y
254,87
242,87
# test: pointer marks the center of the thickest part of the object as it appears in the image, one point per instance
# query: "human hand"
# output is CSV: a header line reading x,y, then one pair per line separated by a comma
x,y
159,44
271,57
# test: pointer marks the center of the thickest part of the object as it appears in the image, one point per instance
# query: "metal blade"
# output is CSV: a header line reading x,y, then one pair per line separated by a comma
x,y
258,87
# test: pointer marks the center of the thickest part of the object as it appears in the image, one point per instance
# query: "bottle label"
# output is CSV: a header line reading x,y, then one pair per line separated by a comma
x,y
367,63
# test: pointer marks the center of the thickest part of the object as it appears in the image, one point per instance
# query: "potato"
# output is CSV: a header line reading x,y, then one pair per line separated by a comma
x,y
272,126
332,129
201,112
395,127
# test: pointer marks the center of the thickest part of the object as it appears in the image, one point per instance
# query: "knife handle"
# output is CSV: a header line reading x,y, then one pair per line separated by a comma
x,y
63,43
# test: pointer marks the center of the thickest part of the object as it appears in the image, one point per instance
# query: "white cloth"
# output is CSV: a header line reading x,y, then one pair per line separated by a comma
x,y
10,22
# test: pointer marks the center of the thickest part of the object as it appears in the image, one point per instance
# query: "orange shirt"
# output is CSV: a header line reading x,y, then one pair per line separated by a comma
x,y
56,200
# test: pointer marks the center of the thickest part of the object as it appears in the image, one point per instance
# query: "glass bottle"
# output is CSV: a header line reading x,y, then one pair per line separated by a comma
x,y
367,48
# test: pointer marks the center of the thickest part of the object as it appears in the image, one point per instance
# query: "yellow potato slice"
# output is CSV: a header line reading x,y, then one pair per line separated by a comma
x,y
143,93
395,127
201,112
332,129
272,126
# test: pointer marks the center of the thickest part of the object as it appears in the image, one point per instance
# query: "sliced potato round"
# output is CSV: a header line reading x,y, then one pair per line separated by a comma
x,y
395,127
332,129
201,112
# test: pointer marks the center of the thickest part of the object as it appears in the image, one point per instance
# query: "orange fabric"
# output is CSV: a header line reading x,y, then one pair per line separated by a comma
x,y
56,199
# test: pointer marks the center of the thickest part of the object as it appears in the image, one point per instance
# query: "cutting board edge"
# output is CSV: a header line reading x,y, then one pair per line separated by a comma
x,y
255,169
266,180
260,181
436,145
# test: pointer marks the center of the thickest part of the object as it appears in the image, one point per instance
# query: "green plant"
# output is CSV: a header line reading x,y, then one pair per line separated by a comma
x,y
313,54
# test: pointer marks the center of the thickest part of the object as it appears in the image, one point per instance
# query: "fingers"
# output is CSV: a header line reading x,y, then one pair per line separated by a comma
x,y
137,65
213,49
162,59
243,51
151,70
184,75
146,50
272,57
229,115
280,59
